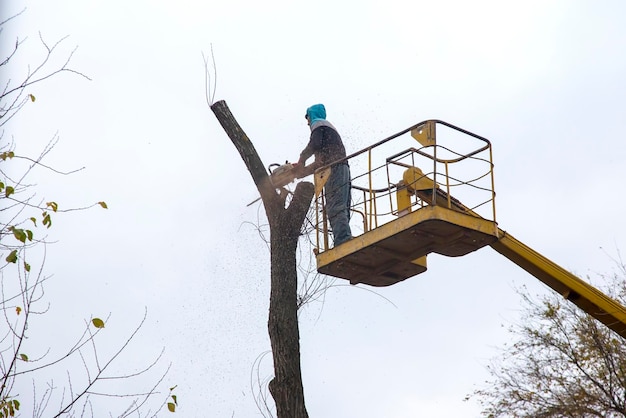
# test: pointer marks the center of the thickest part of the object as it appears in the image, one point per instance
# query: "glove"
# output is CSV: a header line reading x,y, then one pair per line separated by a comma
x,y
298,170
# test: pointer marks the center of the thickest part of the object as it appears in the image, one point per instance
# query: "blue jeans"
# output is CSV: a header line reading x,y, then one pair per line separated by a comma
x,y
338,200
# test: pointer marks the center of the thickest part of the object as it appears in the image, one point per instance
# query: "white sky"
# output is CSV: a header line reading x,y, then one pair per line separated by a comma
x,y
543,80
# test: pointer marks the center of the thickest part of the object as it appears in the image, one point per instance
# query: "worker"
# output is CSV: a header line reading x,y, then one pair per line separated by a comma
x,y
325,143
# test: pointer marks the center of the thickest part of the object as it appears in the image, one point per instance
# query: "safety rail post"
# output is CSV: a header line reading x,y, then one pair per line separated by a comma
x,y
369,179
387,162
317,222
362,216
493,185
448,184
324,222
435,146
365,207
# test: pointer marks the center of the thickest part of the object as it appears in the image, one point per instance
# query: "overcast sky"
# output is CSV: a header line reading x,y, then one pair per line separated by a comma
x,y
543,80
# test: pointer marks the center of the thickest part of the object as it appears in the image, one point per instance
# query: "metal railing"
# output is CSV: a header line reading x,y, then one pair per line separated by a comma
x,y
457,163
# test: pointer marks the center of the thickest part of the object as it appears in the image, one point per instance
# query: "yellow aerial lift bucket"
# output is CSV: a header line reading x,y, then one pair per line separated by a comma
x,y
410,213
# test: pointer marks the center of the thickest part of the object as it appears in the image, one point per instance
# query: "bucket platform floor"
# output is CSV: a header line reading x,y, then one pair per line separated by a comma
x,y
397,250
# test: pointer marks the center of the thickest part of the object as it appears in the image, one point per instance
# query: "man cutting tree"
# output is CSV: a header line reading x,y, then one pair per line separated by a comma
x,y
325,143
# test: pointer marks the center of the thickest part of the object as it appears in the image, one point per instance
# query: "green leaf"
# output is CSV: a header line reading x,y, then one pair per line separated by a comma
x,y
16,404
34,220
171,407
174,398
8,191
47,221
97,322
103,204
24,357
26,266
173,387
1,186
32,98
19,234
12,258
53,205
29,234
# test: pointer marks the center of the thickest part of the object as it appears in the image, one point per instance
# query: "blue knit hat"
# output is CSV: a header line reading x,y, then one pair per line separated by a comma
x,y
315,113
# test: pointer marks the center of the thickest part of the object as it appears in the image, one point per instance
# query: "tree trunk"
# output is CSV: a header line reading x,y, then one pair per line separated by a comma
x,y
285,223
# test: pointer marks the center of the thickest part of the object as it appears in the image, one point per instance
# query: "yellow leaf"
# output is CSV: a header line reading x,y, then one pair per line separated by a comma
x,y
97,322
32,98
103,204
171,407
18,310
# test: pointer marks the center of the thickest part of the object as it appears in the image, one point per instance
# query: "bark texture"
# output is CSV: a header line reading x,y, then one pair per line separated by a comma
x,y
285,224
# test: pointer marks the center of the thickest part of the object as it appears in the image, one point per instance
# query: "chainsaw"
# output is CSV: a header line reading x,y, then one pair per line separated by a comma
x,y
282,175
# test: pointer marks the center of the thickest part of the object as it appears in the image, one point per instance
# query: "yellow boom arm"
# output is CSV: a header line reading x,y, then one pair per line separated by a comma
x,y
588,298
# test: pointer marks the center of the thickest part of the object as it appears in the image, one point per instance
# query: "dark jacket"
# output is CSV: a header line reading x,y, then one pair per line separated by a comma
x,y
325,142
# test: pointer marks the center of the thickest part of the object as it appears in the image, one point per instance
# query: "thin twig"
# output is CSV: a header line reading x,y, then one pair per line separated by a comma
x,y
209,96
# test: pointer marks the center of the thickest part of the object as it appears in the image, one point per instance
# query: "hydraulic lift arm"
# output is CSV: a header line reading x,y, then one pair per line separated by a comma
x,y
591,300
588,298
